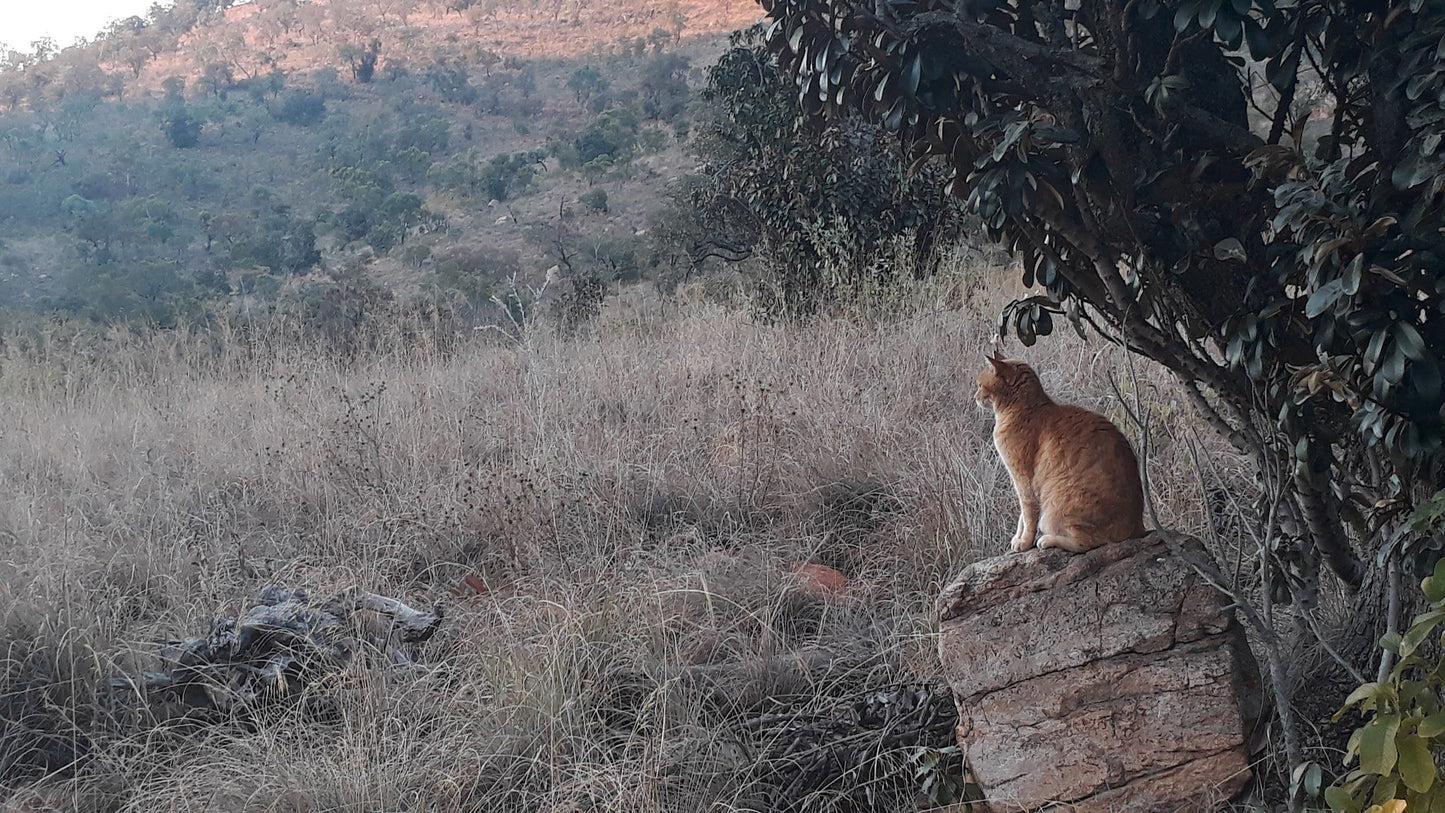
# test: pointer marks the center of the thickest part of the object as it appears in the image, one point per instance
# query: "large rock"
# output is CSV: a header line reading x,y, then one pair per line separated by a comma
x,y
1114,680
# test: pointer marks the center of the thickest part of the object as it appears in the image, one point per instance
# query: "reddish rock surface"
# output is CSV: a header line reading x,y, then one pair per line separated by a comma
x,y
1114,680
819,580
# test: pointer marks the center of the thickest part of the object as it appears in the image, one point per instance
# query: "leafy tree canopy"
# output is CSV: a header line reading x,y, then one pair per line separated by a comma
x,y
1247,191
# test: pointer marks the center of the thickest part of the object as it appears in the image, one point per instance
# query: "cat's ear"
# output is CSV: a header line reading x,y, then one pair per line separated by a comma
x,y
996,362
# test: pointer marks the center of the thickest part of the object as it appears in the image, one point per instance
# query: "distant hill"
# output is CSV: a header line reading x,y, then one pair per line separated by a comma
x,y
331,155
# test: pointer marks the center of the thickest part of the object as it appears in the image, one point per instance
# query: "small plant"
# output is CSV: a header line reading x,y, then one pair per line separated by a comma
x,y
1404,728
942,776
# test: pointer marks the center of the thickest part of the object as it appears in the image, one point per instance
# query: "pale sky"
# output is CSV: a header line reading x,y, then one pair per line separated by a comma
x,y
24,21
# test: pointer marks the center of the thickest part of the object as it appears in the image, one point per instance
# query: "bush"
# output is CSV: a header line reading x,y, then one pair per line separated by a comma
x,y
452,82
302,108
278,242
474,271
1404,728
586,81
614,257
663,87
612,135
500,178
149,292
595,200
181,128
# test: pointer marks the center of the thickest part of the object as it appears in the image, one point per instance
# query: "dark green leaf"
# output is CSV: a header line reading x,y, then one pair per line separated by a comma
x,y
1374,349
1207,11
1434,725
1393,369
1425,379
1258,41
1323,298
1410,340
1339,799
1184,15
911,76
1353,273
1281,70
1419,629
1229,28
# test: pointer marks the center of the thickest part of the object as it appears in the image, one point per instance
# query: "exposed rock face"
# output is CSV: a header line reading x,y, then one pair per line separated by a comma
x,y
1114,680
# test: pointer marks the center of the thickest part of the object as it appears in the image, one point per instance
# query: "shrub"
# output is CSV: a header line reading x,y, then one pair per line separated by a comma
x,y
1404,729
474,271
302,108
595,200
612,135
181,129
822,206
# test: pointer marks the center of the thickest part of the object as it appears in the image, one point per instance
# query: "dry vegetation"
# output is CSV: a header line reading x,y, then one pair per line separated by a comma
x,y
596,515
256,36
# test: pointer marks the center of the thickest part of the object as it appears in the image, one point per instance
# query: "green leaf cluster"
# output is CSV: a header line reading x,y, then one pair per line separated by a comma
x,y
1396,748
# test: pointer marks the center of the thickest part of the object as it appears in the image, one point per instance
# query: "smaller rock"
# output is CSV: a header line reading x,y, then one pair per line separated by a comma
x,y
818,580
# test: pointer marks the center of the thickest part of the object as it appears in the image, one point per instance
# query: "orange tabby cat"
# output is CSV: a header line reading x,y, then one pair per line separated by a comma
x,y
1076,476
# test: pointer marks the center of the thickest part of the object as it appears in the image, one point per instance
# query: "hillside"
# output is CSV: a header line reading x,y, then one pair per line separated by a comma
x,y
343,153
257,36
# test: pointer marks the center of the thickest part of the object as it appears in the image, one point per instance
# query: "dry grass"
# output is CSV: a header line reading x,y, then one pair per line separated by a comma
x,y
633,499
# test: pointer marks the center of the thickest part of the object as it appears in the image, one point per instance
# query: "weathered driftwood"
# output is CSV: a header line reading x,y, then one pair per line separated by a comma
x,y
285,642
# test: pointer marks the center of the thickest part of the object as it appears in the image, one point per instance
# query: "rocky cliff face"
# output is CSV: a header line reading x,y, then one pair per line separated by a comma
x,y
1114,680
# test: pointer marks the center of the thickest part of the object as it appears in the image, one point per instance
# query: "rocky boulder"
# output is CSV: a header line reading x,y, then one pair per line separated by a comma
x,y
1114,680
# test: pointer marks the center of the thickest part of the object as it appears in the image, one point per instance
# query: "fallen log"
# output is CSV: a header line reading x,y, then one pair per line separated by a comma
x,y
284,643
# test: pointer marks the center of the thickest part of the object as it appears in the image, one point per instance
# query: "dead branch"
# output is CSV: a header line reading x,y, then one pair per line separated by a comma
x,y
283,644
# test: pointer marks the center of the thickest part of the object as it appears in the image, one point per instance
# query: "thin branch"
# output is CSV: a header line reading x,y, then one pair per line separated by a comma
x,y
1138,415
1392,617
1314,628
1237,438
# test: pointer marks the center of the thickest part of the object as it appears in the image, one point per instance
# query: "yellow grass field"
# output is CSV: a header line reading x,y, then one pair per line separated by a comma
x,y
633,501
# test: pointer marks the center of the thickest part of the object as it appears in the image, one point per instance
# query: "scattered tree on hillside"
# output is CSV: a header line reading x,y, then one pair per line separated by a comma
x,y
816,204
526,82
584,82
663,86
273,238
181,129
302,108
311,18
1249,193
361,60
217,78
449,77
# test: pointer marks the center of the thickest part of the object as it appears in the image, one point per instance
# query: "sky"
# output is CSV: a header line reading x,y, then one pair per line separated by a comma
x,y
24,21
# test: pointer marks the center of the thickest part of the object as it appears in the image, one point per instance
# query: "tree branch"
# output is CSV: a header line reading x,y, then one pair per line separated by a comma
x,y
1034,64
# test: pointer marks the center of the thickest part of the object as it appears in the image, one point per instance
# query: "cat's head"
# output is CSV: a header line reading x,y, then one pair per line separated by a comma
x,y
1005,382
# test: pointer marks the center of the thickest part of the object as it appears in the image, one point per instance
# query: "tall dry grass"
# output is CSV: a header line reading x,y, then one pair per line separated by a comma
x,y
633,498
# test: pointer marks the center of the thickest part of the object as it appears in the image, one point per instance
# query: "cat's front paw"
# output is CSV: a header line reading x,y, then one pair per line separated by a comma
x,y
1021,543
